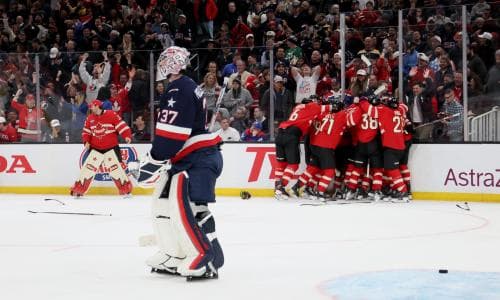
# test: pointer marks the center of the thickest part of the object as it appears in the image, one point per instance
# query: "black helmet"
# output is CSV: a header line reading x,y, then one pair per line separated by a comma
x,y
336,102
392,102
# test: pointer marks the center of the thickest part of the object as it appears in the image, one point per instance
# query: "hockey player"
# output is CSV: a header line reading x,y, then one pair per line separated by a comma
x,y
287,142
367,151
392,120
100,137
324,141
183,165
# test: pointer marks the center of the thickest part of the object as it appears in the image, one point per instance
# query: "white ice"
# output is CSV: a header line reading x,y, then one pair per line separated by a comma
x,y
273,250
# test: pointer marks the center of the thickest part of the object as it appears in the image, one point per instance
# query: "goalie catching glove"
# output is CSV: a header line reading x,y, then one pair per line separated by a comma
x,y
149,171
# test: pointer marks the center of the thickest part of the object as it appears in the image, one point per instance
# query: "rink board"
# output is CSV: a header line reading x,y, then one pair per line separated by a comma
x,y
439,172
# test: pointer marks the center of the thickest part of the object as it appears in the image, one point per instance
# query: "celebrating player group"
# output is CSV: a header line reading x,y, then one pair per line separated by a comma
x,y
358,152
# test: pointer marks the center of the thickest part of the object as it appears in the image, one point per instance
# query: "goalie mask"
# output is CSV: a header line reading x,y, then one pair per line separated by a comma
x,y
172,61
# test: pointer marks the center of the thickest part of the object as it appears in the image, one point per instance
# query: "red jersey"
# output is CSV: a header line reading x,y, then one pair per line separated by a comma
x,y
8,134
303,115
102,131
366,127
330,130
391,123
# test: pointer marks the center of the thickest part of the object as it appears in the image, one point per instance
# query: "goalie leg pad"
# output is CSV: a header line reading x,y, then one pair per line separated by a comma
x,y
87,173
170,253
193,241
206,222
117,173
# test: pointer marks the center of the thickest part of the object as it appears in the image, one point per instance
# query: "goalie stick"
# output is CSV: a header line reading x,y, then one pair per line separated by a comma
x,y
218,103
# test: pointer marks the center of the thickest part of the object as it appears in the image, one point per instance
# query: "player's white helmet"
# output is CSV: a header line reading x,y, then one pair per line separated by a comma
x,y
171,61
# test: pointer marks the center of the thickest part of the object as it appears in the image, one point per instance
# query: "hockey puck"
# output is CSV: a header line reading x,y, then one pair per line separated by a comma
x,y
443,271
245,195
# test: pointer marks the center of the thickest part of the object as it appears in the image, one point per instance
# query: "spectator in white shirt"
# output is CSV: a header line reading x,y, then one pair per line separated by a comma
x,y
227,133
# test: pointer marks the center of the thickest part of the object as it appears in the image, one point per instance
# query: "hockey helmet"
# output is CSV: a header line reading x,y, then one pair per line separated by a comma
x,y
393,102
172,61
336,102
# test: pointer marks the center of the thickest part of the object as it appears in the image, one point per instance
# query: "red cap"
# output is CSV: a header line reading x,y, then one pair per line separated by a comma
x,y
96,102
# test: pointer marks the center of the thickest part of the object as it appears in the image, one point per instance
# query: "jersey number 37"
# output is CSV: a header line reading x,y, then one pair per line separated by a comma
x,y
167,116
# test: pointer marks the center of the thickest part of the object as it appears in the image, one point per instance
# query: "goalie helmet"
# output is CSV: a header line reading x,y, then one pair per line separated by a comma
x,y
172,61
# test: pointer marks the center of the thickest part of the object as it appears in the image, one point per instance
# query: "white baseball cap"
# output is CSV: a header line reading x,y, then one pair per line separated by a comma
x,y
424,57
278,78
53,52
436,37
485,35
361,72
55,123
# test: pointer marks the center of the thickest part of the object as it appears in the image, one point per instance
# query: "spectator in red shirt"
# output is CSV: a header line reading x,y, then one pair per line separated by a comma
x,y
8,133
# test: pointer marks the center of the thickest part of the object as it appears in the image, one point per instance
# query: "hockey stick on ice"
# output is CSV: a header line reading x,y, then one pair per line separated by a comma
x,y
68,213
51,199
464,207
218,103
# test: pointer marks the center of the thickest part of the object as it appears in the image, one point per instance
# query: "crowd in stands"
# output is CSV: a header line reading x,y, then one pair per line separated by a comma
x,y
66,53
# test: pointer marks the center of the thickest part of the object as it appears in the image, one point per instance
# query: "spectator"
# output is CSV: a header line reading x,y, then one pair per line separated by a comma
x,y
417,73
454,112
57,135
8,133
486,48
294,52
260,116
227,133
138,94
239,119
236,97
140,131
183,36
211,90
283,100
254,133
307,80
241,73
29,116
98,79
421,109
359,85
475,63
493,83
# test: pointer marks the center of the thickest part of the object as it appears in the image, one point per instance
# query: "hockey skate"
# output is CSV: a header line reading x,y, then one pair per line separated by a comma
x,y
309,193
351,195
399,197
377,196
296,190
361,194
206,275
163,264
280,192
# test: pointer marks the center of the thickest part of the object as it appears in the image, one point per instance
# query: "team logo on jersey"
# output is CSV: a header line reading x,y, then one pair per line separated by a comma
x,y
127,153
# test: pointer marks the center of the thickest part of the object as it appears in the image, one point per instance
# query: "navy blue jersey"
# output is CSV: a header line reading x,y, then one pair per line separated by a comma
x,y
181,123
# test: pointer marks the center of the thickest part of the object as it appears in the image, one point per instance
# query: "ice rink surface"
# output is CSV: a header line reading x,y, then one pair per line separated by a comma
x,y
273,250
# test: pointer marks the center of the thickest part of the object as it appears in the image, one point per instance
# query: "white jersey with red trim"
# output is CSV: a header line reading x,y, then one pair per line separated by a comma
x,y
181,123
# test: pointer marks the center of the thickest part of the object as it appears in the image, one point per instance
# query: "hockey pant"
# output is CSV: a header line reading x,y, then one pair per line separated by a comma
x,y
185,231
91,166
